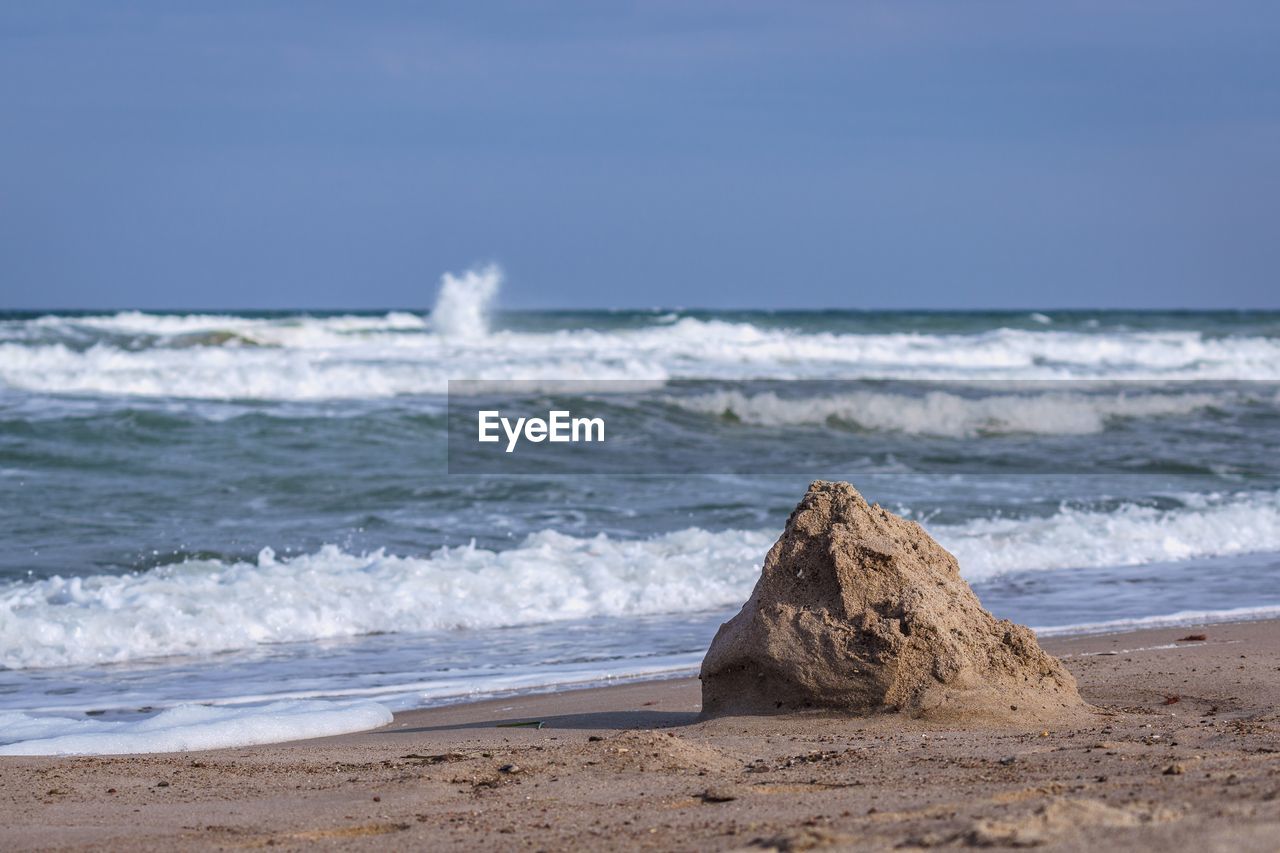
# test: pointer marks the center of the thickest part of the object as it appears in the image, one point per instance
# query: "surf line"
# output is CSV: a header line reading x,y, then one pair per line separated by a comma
x,y
559,426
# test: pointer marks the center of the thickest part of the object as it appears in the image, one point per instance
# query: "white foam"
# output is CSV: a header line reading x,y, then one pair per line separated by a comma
x,y
1169,620
205,606
943,413
310,358
1208,526
462,306
188,727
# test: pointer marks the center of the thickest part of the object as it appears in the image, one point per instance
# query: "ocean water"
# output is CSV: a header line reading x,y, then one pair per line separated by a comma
x,y
254,514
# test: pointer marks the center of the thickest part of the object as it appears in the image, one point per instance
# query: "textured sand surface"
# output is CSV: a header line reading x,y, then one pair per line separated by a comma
x,y
859,610
1185,756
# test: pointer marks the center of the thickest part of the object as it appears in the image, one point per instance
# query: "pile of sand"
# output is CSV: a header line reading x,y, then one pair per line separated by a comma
x,y
860,611
649,751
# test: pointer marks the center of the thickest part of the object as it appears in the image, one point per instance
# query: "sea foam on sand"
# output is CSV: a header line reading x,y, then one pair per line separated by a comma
x,y
188,727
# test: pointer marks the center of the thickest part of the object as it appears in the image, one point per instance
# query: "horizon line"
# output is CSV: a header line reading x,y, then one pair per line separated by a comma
x,y
651,310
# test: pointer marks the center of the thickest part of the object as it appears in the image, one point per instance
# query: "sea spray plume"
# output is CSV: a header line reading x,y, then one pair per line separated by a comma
x,y
462,306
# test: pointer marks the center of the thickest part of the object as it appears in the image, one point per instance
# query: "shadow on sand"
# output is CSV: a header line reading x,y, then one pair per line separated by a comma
x,y
600,721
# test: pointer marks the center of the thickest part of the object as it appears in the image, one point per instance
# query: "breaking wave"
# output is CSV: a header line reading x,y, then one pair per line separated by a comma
x,y
303,357
942,413
1130,535
205,606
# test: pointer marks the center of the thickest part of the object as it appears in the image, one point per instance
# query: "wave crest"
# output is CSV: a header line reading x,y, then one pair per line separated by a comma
x,y
940,413
345,357
206,606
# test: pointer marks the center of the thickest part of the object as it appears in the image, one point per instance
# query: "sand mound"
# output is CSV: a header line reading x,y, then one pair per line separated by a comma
x,y
860,611
649,751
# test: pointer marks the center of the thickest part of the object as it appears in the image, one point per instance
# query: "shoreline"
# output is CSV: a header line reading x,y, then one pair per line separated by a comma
x,y
1048,637
386,696
1182,750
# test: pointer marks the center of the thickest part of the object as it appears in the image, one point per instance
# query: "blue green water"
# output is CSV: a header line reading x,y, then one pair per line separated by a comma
x,y
241,507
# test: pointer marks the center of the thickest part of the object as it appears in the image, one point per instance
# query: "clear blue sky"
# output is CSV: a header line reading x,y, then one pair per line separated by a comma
x,y
760,154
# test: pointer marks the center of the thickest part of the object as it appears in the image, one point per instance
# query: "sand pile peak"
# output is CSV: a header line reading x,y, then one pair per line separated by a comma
x,y
859,610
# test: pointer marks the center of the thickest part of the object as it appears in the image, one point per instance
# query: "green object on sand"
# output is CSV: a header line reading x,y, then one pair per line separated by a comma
x,y
532,724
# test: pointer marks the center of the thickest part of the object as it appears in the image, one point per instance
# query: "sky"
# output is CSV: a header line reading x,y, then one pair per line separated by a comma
x,y
894,154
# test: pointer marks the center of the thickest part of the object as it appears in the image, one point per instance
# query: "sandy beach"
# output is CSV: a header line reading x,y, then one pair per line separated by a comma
x,y
1182,752
652,426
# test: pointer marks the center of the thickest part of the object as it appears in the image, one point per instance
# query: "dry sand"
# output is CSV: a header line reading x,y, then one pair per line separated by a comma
x,y
1183,753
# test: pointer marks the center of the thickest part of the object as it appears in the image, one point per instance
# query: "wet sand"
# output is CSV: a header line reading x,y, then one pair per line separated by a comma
x,y
1182,752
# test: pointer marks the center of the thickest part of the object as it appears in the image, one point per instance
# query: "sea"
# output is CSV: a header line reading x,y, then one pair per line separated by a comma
x,y
229,528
